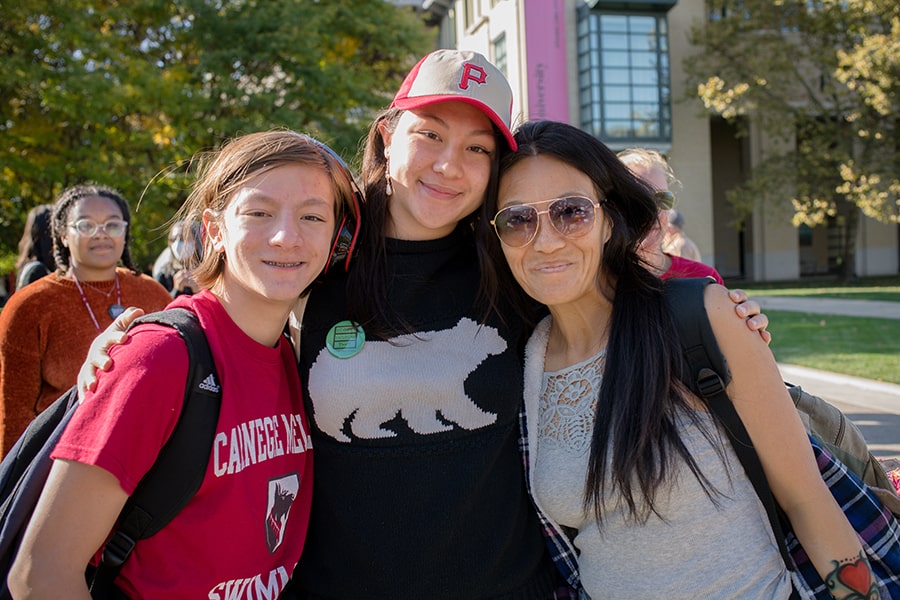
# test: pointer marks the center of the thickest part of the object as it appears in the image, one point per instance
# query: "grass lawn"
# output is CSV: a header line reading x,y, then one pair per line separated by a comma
x,y
861,347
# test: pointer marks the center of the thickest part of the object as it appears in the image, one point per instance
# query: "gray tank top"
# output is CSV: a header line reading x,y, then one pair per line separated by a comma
x,y
701,550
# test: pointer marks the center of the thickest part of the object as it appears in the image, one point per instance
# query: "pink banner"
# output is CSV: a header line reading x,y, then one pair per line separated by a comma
x,y
545,52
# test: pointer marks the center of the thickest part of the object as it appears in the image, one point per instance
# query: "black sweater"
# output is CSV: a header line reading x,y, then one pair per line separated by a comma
x,y
419,488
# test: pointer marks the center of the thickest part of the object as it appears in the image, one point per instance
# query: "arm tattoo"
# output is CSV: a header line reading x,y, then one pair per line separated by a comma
x,y
852,579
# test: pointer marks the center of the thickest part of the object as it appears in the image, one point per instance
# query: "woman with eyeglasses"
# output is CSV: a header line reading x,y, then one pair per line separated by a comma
x,y
47,327
620,454
653,169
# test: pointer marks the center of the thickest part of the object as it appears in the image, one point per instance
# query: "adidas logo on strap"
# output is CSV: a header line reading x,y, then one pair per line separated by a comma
x,y
209,384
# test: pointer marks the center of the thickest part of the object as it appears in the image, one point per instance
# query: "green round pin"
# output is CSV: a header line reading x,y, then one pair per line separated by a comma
x,y
345,339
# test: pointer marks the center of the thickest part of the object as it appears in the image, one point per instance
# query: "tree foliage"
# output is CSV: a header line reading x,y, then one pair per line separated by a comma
x,y
124,93
821,79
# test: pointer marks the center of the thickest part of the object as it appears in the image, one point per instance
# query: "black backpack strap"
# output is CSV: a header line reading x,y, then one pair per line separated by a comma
x,y
181,465
706,374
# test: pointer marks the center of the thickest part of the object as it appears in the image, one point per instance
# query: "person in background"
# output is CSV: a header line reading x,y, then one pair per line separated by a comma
x,y
269,203
172,268
47,327
653,169
413,373
36,247
675,241
620,454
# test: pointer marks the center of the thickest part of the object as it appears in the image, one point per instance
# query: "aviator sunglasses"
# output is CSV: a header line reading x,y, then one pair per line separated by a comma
x,y
571,216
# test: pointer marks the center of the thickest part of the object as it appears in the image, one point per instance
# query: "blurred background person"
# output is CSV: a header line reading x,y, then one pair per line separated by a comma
x,y
172,268
675,241
36,247
654,170
47,327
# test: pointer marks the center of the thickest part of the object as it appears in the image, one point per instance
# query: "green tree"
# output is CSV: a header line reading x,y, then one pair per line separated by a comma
x,y
821,79
124,93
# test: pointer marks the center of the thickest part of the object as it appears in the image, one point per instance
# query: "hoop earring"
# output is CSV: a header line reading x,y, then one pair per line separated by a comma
x,y
388,188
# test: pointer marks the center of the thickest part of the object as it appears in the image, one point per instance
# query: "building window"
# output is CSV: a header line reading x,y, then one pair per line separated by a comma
x,y
498,50
623,71
469,15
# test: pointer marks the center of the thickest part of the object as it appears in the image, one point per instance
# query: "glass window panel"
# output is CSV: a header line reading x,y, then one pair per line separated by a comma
x,y
615,58
615,110
644,110
619,129
620,76
646,60
583,45
617,93
584,62
613,23
645,94
644,77
642,24
614,41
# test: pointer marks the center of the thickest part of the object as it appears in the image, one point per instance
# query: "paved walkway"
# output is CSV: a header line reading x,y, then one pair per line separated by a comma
x,y
831,306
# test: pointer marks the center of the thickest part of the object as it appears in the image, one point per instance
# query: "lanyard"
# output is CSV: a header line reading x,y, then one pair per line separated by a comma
x,y
114,310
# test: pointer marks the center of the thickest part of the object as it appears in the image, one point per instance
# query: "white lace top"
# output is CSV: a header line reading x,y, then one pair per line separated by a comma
x,y
700,550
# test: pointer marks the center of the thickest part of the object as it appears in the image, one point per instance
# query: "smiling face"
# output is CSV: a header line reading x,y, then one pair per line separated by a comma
x,y
440,160
275,233
93,258
554,269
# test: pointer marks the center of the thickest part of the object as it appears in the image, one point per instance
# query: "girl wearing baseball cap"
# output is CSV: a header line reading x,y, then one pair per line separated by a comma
x,y
419,491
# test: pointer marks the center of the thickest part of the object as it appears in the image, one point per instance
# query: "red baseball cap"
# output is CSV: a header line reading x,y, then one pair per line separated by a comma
x,y
463,76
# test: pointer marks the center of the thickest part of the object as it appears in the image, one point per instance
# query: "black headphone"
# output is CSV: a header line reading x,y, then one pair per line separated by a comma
x,y
347,233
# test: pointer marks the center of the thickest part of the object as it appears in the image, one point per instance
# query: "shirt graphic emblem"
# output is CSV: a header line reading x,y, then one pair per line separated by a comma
x,y
424,386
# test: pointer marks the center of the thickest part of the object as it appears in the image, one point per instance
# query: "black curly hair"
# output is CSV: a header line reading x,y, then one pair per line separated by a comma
x,y
60,221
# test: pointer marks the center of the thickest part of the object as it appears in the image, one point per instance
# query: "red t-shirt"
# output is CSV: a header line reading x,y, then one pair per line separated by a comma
x,y
242,533
684,267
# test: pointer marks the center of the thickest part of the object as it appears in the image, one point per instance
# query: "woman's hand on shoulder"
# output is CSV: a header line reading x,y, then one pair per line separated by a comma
x,y
98,354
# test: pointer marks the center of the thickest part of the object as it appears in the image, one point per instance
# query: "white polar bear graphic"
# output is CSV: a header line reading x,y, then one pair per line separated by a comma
x,y
390,378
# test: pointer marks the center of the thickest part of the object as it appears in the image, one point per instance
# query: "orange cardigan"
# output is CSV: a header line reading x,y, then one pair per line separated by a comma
x,y
45,333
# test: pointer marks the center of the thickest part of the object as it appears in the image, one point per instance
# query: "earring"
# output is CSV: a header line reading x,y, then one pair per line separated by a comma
x,y
388,189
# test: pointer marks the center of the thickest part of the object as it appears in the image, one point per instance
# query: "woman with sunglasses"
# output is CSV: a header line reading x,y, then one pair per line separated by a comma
x,y
47,327
270,204
619,452
654,170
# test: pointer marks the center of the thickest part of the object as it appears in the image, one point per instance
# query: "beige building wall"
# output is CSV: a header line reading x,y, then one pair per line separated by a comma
x,y
691,146
877,248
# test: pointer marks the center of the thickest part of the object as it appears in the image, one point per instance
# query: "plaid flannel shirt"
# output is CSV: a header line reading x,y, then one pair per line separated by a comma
x,y
561,550
875,526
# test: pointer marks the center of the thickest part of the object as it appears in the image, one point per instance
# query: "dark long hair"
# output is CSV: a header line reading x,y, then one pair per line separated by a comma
x,y
64,205
368,281
37,238
635,442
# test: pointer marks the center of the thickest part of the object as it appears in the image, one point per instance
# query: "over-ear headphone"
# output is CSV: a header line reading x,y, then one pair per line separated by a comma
x,y
347,233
